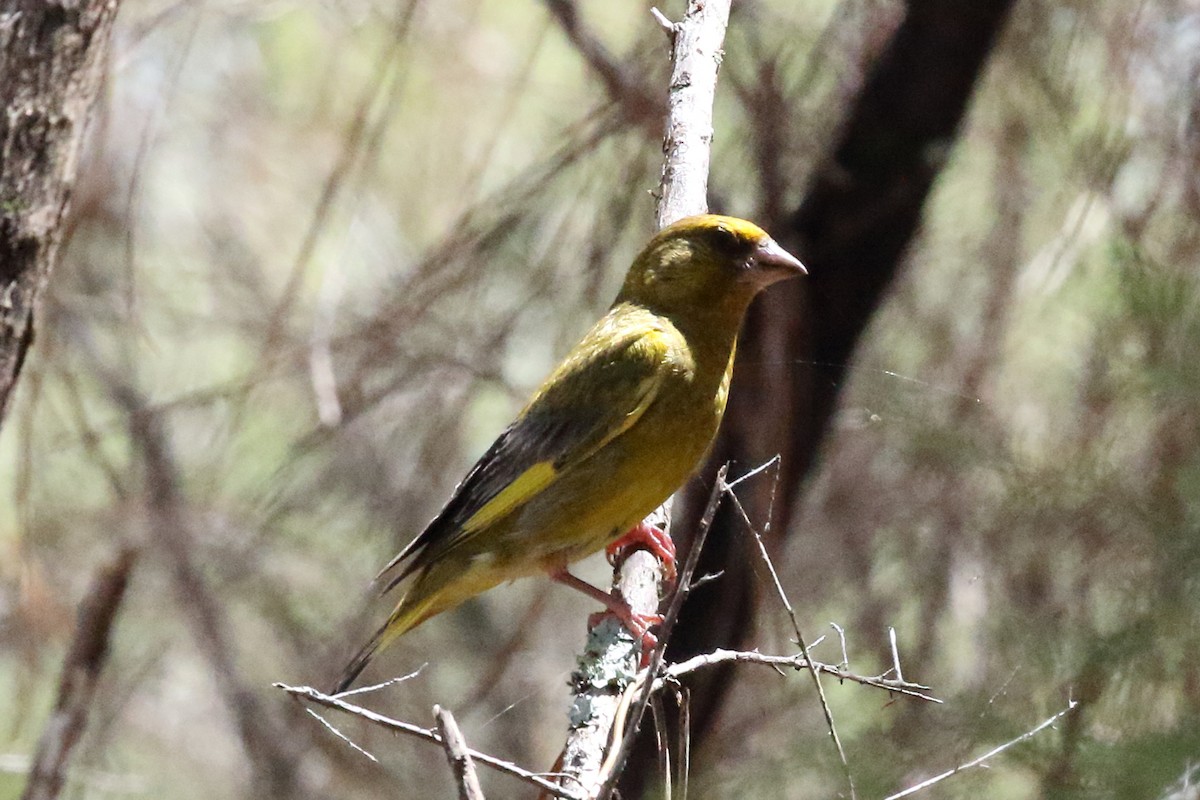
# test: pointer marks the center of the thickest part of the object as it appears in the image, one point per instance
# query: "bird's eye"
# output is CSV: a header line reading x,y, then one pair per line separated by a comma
x,y
725,239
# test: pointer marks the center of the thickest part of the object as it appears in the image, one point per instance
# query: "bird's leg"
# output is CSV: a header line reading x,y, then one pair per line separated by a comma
x,y
637,624
654,539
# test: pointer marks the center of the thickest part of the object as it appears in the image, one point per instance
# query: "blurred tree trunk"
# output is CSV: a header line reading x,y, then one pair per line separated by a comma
x,y
51,62
857,217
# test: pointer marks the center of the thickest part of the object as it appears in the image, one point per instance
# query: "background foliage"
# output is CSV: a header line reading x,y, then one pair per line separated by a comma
x,y
333,245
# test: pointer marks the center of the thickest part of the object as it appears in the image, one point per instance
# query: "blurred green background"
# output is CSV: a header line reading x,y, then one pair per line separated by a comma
x,y
333,245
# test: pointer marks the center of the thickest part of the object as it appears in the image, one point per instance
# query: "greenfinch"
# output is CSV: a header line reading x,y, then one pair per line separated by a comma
x,y
616,428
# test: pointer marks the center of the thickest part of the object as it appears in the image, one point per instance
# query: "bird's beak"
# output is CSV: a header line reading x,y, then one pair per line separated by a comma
x,y
773,260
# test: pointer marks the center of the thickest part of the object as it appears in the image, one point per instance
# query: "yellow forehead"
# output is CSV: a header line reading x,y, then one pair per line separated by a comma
x,y
704,222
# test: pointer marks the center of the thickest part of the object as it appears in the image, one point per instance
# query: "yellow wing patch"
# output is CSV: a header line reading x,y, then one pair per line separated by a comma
x,y
654,346
525,486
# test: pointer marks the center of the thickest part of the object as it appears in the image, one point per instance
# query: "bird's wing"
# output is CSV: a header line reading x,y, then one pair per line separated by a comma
x,y
605,384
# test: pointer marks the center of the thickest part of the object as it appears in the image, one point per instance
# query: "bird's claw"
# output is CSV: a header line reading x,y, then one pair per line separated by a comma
x,y
637,624
652,538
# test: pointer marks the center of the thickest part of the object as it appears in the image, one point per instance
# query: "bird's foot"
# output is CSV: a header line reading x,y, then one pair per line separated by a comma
x,y
652,538
637,624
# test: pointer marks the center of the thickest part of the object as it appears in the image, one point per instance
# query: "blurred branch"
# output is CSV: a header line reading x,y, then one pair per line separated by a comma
x,y
358,139
52,57
630,94
80,674
273,752
309,694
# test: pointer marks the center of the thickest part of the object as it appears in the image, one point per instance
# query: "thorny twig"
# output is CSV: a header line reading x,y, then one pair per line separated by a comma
x,y
798,661
787,604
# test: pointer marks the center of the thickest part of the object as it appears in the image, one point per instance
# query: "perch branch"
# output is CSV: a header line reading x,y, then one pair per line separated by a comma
x,y
695,59
604,669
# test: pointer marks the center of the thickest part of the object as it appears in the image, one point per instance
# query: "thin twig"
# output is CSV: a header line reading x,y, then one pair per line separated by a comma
x,y
978,761
375,687
816,677
329,726
459,756
798,661
895,653
664,23
842,639
311,695
683,700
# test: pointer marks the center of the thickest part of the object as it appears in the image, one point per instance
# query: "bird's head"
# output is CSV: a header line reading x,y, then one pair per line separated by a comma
x,y
707,263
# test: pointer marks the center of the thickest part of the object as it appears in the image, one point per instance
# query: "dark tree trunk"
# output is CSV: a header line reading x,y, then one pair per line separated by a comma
x,y
51,62
853,226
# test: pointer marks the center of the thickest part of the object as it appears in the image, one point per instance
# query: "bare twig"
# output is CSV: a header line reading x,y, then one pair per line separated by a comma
x,y
458,755
309,694
1029,734
683,702
895,653
329,726
798,661
787,604
664,23
81,670
375,687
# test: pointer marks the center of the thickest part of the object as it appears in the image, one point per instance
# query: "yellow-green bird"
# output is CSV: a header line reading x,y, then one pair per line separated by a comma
x,y
616,428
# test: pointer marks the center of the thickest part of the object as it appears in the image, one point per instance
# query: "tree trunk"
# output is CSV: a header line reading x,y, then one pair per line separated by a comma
x,y
52,56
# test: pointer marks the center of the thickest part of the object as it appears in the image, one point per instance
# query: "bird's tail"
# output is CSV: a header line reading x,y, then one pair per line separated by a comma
x,y
409,613
358,663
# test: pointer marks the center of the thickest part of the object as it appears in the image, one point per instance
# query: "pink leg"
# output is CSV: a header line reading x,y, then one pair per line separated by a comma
x,y
637,624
